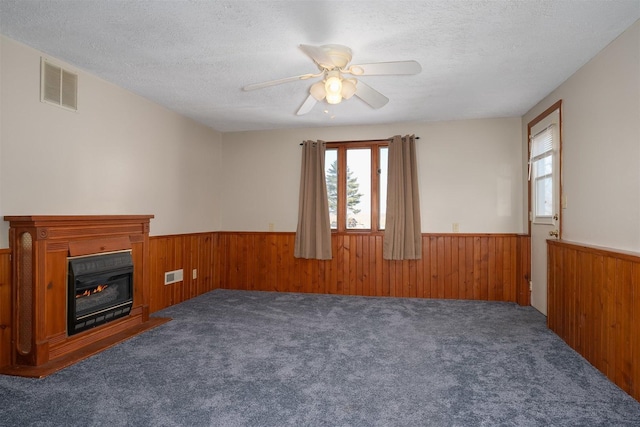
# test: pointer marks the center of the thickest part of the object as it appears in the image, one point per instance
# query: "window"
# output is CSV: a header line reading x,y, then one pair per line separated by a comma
x,y
541,164
356,174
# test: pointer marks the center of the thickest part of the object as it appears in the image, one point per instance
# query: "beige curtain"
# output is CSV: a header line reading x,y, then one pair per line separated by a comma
x,y
402,234
313,235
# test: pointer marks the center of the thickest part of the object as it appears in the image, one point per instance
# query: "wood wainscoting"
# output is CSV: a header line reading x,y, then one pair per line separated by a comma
x,y
187,252
463,266
458,266
594,305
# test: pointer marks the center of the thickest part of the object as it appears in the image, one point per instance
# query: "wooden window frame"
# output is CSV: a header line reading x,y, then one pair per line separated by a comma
x,y
342,147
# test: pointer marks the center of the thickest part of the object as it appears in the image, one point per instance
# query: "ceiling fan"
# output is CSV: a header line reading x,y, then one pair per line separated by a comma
x,y
333,62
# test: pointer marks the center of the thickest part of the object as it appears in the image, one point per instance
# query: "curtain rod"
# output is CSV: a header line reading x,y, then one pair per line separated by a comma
x,y
362,140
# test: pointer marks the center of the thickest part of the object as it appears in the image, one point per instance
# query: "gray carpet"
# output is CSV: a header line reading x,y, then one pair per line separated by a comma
x,y
236,358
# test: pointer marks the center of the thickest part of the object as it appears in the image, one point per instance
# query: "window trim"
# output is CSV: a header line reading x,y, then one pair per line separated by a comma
x,y
342,147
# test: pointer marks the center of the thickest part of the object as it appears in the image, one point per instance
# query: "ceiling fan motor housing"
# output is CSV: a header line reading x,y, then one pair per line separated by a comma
x,y
339,54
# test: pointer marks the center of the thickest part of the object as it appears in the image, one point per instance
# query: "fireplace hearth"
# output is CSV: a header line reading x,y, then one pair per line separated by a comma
x,y
100,289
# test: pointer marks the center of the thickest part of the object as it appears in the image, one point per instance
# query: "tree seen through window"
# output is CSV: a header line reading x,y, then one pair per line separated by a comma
x,y
353,195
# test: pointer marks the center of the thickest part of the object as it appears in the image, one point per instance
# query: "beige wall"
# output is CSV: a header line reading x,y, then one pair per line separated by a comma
x,y
119,154
601,146
56,162
470,173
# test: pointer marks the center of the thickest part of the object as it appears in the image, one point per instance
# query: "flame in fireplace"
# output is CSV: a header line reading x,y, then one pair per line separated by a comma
x,y
88,292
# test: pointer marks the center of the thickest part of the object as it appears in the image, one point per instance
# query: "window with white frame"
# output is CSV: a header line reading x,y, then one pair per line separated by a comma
x,y
541,173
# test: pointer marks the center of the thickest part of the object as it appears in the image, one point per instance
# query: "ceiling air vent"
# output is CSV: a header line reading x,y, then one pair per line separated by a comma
x,y
58,86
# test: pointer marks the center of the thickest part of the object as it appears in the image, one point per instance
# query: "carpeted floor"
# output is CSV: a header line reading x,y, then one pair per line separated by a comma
x,y
236,358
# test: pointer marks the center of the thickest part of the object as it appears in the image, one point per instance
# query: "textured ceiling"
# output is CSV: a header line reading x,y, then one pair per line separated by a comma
x,y
480,58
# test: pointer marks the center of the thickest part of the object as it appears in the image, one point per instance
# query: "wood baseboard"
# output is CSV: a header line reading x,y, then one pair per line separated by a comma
x,y
69,359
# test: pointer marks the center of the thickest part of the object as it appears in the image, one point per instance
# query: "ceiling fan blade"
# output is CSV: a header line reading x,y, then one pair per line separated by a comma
x,y
306,106
318,55
386,68
255,86
371,96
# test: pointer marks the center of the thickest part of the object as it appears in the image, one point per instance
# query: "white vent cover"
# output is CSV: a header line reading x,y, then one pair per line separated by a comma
x,y
173,276
58,86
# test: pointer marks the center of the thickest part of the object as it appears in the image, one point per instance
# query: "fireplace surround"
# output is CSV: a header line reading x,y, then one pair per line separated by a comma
x,y
46,251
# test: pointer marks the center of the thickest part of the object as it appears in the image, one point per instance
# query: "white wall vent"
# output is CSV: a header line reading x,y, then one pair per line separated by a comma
x,y
58,86
173,276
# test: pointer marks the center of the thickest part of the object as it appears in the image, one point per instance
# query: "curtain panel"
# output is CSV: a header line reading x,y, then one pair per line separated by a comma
x,y
313,235
403,234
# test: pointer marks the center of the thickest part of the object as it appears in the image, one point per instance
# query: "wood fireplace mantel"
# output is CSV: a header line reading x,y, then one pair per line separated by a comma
x,y
40,246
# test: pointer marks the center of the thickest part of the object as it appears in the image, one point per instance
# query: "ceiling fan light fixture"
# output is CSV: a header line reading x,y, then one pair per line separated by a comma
x,y
332,62
333,87
334,98
333,83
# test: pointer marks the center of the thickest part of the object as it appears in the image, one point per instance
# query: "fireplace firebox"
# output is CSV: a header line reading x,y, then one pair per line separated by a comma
x,y
100,289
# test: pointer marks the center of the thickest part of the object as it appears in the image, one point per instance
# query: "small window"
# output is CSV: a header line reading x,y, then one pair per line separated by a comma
x,y
541,164
356,175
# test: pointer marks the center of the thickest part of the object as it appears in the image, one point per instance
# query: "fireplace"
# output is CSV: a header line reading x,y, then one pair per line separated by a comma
x,y
54,253
99,290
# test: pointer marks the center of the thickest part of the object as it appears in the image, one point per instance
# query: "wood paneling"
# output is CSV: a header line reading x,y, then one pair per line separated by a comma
x,y
186,252
594,305
5,307
461,266
455,266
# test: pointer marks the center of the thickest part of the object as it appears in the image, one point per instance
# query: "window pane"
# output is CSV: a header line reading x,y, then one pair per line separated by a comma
x,y
331,176
359,188
543,166
544,196
382,191
543,169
